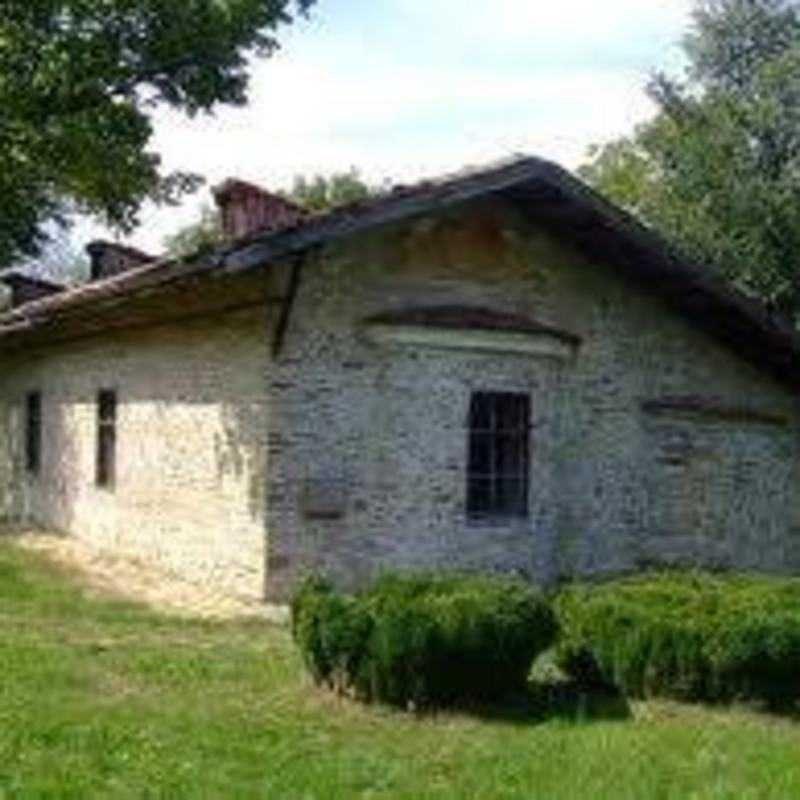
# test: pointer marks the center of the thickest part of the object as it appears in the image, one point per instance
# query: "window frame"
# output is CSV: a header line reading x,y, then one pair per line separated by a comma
x,y
508,493
33,433
106,454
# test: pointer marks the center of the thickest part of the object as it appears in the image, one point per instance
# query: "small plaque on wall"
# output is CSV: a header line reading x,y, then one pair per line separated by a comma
x,y
324,499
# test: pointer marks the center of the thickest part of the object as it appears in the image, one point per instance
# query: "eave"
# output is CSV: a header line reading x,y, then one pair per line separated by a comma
x,y
545,193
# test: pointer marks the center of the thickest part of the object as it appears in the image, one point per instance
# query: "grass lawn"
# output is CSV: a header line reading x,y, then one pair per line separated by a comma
x,y
103,698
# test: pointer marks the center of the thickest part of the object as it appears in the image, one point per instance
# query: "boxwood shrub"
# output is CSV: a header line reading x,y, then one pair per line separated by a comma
x,y
430,639
688,635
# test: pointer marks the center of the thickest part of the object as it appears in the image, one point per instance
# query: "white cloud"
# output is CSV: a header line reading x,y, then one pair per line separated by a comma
x,y
408,88
507,21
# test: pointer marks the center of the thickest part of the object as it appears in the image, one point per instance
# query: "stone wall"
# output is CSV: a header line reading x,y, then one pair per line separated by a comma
x,y
369,441
190,451
367,438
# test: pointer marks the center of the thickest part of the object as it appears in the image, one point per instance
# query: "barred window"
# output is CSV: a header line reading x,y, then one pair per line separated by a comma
x,y
498,468
106,437
33,432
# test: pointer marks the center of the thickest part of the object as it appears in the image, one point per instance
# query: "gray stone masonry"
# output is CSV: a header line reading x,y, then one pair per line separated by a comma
x,y
369,440
347,451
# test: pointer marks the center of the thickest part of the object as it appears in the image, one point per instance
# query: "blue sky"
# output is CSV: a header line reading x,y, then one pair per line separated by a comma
x,y
407,88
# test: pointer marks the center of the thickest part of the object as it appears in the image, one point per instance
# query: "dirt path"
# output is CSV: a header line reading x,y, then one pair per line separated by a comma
x,y
133,579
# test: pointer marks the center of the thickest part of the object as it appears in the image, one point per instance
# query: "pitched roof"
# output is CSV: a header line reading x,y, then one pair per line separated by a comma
x,y
542,190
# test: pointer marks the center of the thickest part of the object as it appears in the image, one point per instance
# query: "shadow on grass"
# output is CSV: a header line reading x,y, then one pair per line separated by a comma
x,y
545,702
571,702
786,709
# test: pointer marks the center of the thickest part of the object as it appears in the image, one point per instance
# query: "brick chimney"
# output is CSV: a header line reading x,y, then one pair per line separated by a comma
x,y
108,258
26,288
247,209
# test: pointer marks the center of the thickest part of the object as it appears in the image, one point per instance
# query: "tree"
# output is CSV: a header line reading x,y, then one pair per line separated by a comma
x,y
718,168
79,80
197,237
322,193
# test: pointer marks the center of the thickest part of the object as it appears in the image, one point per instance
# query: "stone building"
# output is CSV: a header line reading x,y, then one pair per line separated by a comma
x,y
497,370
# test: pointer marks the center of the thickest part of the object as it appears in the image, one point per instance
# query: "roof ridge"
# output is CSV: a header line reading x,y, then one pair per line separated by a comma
x,y
539,187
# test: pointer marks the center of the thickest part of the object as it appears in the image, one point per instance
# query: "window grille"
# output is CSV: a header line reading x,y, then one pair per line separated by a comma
x,y
106,438
33,432
498,468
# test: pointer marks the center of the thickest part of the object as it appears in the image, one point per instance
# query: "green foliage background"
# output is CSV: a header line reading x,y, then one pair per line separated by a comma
x,y
718,168
79,80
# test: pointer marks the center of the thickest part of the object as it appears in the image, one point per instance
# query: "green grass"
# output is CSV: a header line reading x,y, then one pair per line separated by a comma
x,y
103,698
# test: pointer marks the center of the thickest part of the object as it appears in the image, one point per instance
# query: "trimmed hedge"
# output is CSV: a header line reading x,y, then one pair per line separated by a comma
x,y
423,639
693,636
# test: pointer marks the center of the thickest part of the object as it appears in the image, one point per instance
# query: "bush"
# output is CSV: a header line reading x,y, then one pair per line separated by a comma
x,y
330,629
695,636
426,639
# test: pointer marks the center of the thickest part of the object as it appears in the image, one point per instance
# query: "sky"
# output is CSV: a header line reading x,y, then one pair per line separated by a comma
x,y
406,89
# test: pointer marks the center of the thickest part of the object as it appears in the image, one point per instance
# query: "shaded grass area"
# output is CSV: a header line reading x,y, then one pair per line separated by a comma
x,y
103,698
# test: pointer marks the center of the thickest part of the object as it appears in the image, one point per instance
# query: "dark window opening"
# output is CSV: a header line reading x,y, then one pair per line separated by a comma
x,y
498,468
33,432
106,437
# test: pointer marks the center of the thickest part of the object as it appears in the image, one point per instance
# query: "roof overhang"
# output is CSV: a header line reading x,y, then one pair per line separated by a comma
x,y
544,192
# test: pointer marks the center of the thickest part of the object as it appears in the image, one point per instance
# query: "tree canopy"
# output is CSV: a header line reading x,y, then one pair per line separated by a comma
x,y
79,80
197,237
322,193
718,168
